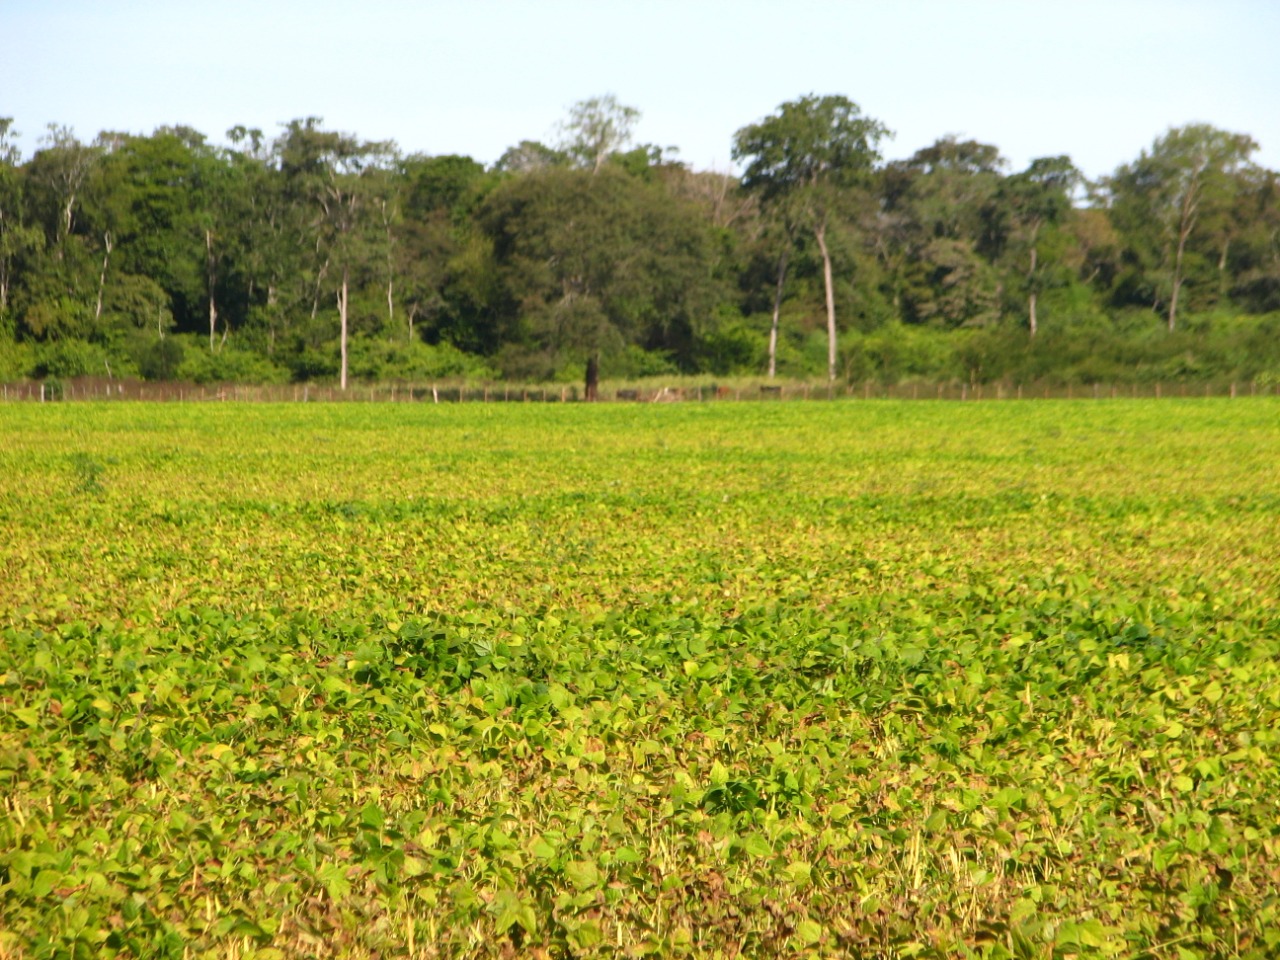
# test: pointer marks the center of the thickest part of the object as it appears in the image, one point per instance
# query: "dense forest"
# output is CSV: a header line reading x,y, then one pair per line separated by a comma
x,y
315,255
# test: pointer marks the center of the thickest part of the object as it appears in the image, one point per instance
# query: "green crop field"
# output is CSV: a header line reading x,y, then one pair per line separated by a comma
x,y
864,679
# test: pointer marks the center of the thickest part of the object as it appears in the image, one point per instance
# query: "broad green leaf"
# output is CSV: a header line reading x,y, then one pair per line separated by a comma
x,y
583,874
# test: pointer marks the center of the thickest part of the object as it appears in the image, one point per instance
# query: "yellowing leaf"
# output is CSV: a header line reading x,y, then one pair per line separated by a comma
x,y
415,866
809,932
583,874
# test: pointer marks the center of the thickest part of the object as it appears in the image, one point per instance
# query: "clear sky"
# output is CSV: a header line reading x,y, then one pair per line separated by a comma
x,y
1096,79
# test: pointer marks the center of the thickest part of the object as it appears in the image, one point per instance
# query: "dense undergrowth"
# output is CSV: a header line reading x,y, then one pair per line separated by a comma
x,y
853,679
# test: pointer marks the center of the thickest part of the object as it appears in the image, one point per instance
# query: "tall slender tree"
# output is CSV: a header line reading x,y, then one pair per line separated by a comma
x,y
18,238
1186,177
339,174
597,127
803,158
1029,203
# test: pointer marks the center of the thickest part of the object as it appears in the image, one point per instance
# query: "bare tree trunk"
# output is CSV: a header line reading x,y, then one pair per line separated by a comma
x,y
777,313
1177,280
102,277
315,298
592,392
66,214
4,270
1224,280
342,317
211,278
271,322
391,269
820,234
1031,295
1186,223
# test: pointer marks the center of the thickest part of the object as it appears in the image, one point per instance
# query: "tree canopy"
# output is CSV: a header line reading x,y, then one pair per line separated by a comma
x,y
315,254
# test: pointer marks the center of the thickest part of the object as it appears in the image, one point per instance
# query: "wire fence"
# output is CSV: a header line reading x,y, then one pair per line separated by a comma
x,y
103,389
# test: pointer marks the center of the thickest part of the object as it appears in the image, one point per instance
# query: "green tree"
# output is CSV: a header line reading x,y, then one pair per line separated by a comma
x,y
342,177
596,262
439,198
58,294
803,159
1028,206
1162,199
58,173
18,239
933,237
1255,251
270,238
597,128
528,156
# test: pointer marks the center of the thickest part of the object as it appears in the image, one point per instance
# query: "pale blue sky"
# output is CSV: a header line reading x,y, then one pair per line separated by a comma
x,y
1097,79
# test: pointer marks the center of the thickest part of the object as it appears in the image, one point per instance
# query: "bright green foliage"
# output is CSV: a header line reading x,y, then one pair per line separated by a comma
x,y
590,263
850,679
1176,203
304,254
803,160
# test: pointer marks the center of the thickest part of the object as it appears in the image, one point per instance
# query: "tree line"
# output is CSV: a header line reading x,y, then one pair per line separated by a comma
x,y
316,255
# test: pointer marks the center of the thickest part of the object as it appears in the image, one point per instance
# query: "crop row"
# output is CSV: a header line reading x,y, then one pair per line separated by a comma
x,y
826,681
